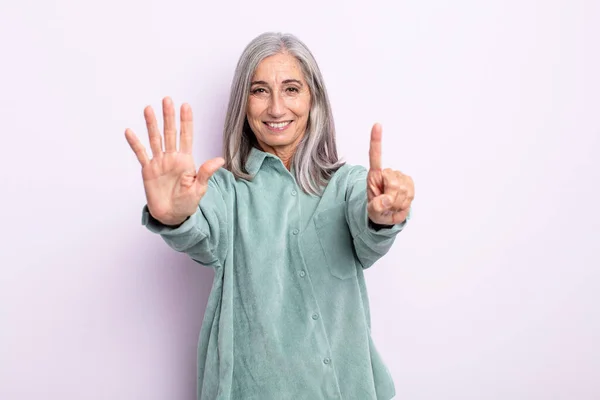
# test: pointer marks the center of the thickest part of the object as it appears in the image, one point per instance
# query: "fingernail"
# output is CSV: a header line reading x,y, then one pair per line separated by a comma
x,y
386,201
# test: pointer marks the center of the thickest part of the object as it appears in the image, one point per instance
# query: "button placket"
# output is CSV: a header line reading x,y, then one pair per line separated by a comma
x,y
293,192
315,315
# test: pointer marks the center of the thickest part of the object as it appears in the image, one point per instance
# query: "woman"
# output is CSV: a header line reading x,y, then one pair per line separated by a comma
x,y
287,228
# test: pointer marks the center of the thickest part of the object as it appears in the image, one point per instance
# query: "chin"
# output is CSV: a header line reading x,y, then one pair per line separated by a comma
x,y
278,143
277,139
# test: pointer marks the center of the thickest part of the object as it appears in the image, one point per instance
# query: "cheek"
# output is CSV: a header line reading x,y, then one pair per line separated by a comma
x,y
254,108
300,107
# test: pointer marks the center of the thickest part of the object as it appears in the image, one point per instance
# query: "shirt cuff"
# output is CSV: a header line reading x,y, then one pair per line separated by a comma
x,y
158,227
386,230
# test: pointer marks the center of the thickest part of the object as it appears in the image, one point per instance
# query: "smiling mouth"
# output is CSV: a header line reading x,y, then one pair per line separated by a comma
x,y
277,126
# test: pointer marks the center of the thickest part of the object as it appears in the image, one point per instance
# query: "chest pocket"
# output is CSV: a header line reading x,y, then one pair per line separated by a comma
x,y
336,241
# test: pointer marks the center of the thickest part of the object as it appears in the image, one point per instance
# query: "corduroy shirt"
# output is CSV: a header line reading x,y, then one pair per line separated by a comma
x,y
288,314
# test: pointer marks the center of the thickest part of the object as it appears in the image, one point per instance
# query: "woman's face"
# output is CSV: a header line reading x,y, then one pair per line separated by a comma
x,y
279,104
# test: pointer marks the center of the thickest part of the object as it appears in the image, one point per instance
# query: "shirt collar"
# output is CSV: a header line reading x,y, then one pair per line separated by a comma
x,y
255,160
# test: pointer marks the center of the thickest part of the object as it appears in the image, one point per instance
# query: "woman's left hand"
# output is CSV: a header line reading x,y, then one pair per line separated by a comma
x,y
389,193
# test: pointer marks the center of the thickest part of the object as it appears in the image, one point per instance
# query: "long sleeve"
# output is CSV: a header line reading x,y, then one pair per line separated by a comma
x,y
288,298
370,244
203,236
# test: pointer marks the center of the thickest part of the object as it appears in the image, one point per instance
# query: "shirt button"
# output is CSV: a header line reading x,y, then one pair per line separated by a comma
x,y
294,193
326,361
302,273
315,316
295,231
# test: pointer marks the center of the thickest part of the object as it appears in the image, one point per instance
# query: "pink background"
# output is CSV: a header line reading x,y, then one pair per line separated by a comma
x,y
493,108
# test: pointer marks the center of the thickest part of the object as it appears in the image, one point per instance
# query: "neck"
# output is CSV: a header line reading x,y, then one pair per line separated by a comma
x,y
284,156
284,153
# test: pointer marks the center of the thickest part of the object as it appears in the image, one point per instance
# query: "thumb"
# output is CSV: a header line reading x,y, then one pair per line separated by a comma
x,y
380,204
386,202
207,170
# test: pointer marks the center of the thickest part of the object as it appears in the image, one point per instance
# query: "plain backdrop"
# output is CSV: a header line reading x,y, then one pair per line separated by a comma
x,y
492,291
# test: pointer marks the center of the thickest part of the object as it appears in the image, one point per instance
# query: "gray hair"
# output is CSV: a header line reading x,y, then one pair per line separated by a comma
x,y
315,159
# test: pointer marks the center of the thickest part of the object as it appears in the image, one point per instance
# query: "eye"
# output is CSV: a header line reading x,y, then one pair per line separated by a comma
x,y
258,90
292,89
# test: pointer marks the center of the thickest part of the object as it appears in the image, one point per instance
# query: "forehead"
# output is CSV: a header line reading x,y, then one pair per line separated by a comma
x,y
278,68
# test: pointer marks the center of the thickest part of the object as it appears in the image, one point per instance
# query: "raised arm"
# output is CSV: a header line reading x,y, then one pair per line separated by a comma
x,y
183,205
389,193
378,205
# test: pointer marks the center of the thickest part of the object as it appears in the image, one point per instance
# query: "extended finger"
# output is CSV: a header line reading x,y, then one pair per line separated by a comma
x,y
207,169
169,125
137,147
375,147
187,129
153,132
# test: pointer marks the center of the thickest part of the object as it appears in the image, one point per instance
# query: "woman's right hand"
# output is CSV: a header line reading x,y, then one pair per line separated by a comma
x,y
173,188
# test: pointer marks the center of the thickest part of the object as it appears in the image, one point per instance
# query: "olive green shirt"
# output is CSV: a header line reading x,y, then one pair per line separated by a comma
x,y
288,314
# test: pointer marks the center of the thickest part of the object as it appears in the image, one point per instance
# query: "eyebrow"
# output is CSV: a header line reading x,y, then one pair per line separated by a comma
x,y
284,82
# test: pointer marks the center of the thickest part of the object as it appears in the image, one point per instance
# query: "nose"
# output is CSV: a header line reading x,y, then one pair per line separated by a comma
x,y
276,107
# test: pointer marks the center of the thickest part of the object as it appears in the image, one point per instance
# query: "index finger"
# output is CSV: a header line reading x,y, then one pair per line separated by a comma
x,y
375,147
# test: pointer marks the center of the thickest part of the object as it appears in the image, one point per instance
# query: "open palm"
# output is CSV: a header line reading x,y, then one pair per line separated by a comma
x,y
172,185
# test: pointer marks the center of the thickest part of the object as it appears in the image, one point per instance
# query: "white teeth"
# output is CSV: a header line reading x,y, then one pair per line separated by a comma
x,y
278,125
